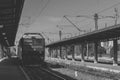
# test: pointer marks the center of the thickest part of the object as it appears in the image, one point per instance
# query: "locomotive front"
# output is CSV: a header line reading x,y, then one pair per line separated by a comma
x,y
33,48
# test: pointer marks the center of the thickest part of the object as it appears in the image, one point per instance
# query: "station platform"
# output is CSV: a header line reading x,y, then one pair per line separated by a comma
x,y
9,70
98,66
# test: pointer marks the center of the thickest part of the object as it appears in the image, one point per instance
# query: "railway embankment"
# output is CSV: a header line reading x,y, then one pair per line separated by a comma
x,y
84,71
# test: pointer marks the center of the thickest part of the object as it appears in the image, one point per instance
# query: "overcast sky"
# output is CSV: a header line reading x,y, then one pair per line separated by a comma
x,y
44,15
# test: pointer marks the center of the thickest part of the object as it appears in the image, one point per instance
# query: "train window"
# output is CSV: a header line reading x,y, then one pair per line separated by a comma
x,y
32,36
33,41
37,42
27,42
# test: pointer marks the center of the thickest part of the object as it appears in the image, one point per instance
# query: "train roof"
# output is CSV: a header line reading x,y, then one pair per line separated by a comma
x,y
29,35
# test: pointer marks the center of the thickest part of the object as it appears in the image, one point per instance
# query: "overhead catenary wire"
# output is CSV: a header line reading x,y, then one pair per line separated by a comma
x,y
41,10
101,12
83,16
30,17
102,17
108,8
86,17
73,24
48,1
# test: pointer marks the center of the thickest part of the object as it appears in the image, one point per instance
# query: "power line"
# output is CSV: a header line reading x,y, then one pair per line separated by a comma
x,y
44,7
73,24
48,1
83,20
108,8
30,7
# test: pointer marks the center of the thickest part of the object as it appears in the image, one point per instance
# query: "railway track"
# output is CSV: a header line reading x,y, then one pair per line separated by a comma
x,y
40,73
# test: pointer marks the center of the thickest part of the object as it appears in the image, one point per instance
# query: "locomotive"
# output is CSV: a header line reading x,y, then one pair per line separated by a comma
x,y
31,49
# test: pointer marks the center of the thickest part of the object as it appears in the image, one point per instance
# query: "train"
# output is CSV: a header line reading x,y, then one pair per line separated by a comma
x,y
31,49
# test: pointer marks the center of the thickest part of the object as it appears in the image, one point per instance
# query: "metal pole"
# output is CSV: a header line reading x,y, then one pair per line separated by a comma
x,y
115,54
87,50
60,34
96,21
95,51
116,15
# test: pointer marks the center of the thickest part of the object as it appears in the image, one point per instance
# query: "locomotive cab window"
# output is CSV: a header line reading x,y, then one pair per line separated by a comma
x,y
37,42
27,41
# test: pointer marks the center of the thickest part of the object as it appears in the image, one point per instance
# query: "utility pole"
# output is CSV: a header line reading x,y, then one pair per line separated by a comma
x,y
96,21
116,15
60,34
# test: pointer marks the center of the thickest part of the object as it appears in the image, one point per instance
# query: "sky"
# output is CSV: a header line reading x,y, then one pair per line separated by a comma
x,y
45,15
